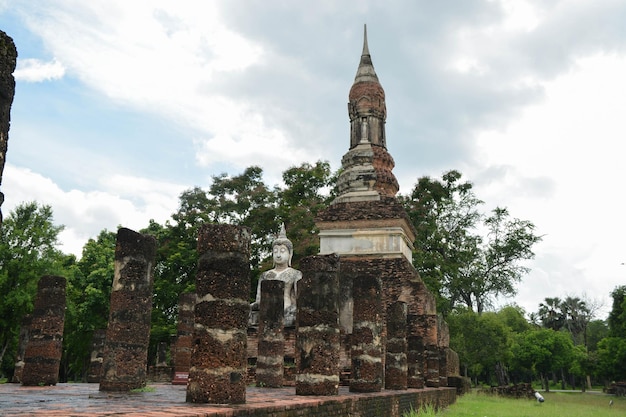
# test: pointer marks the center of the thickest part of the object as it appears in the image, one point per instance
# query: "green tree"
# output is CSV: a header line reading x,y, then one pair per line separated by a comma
x,y
577,317
482,342
175,268
456,262
445,216
88,299
542,351
582,366
612,358
550,313
596,331
245,200
303,196
28,250
617,315
513,317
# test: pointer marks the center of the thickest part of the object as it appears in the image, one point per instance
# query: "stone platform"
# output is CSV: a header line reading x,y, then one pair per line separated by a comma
x,y
165,400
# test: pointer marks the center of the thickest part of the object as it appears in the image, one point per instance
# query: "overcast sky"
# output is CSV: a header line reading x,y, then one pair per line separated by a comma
x,y
121,105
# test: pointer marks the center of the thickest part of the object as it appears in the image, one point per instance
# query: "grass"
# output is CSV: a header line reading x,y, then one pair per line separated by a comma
x,y
426,410
147,388
575,404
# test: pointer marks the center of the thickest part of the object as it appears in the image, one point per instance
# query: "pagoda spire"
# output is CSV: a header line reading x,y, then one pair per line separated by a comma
x,y
367,166
365,72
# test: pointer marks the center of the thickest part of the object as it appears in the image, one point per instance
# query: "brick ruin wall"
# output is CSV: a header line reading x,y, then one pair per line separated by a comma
x,y
8,60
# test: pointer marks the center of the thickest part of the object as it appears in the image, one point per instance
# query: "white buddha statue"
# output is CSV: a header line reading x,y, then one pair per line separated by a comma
x,y
282,252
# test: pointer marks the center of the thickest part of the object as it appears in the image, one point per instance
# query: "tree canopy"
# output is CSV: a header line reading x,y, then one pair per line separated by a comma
x,y
28,240
457,262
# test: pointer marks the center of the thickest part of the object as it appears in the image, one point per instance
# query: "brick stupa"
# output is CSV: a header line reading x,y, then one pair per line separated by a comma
x,y
372,234
366,219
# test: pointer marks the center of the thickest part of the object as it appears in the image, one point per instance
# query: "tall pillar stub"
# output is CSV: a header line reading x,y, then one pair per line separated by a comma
x,y
8,61
42,357
125,357
184,338
317,327
97,353
396,367
368,341
271,350
219,361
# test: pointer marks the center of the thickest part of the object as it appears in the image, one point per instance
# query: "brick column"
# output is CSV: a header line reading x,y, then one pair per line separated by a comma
x,y
443,344
97,351
396,368
8,60
184,338
124,363
21,348
415,353
42,357
432,351
317,326
271,353
218,360
367,335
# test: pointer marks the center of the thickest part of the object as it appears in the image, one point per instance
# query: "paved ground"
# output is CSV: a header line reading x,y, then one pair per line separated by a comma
x,y
84,400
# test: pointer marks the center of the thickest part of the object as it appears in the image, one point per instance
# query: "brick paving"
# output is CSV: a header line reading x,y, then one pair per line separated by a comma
x,y
163,400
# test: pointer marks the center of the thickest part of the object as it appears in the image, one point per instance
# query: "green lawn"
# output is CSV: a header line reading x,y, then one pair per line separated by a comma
x,y
575,404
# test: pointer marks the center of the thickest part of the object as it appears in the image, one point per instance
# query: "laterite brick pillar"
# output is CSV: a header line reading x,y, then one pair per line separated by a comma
x,y
271,352
184,338
396,368
124,362
367,335
415,353
8,61
44,348
432,351
443,343
97,351
218,360
317,326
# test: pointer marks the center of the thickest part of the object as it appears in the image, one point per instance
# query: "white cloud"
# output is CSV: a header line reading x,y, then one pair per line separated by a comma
x,y
572,143
160,58
520,15
34,70
125,201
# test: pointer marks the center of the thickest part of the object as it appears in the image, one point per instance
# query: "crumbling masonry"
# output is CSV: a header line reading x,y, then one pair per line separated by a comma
x,y
218,360
42,357
124,364
8,60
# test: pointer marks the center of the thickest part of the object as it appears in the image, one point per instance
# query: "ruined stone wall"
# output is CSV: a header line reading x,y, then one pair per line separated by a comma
x,y
8,60
401,282
379,404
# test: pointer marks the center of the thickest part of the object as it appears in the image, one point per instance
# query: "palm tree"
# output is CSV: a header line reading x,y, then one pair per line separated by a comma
x,y
577,316
551,314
